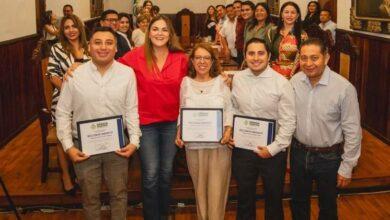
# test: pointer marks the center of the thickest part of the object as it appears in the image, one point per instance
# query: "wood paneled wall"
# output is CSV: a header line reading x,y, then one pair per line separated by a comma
x,y
370,73
18,87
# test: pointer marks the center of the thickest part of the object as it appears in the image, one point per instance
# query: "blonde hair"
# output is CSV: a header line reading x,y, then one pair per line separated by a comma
x,y
173,42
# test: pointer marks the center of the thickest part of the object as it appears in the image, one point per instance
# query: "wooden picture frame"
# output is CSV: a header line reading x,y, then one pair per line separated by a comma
x,y
371,16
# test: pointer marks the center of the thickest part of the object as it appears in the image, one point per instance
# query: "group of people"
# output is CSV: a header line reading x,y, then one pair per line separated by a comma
x,y
316,113
234,24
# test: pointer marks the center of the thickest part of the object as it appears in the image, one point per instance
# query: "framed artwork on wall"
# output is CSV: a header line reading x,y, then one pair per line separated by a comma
x,y
371,15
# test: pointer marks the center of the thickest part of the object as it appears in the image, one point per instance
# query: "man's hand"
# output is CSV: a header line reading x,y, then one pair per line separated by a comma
x,y
262,152
342,182
231,143
126,151
76,155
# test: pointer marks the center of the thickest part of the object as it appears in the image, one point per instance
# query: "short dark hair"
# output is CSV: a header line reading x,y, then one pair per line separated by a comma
x,y
250,4
327,10
229,5
70,6
104,14
223,6
155,8
256,40
317,42
103,29
237,1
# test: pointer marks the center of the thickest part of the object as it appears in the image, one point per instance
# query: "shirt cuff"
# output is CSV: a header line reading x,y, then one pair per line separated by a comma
x,y
273,148
67,144
345,170
134,139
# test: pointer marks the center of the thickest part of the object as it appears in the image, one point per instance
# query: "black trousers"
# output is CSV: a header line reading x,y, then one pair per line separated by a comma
x,y
247,166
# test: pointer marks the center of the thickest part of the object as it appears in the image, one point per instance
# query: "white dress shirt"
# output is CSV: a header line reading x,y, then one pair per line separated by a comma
x,y
228,31
328,114
331,26
89,95
268,95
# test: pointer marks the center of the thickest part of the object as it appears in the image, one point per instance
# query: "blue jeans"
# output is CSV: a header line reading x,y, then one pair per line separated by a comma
x,y
307,167
157,153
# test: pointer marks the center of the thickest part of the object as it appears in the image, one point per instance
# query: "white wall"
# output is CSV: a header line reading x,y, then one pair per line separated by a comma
x,y
302,5
81,7
15,26
118,5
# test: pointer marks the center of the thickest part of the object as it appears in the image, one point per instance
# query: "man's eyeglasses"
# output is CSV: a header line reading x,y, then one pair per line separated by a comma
x,y
111,20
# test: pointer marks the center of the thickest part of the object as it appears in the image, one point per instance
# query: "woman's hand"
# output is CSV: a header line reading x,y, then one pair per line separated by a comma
x,y
70,70
178,141
226,135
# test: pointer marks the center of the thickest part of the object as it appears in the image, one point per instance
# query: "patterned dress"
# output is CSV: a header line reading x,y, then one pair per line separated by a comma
x,y
286,55
59,62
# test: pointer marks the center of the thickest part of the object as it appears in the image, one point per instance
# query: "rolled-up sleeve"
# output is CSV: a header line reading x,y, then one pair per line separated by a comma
x,y
132,117
350,125
286,120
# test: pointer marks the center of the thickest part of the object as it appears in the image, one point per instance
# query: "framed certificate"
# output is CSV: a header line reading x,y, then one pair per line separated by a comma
x,y
101,135
250,132
201,125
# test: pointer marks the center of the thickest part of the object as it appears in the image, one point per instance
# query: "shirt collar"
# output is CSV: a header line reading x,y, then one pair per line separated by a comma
x,y
265,74
324,78
94,67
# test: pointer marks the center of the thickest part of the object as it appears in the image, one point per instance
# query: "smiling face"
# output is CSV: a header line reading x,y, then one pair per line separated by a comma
x,y
71,31
143,25
312,61
312,7
289,15
111,20
159,33
202,62
237,8
260,13
102,48
256,57
124,25
211,11
246,12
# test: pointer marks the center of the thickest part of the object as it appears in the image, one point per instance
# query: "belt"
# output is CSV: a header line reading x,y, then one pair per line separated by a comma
x,y
334,148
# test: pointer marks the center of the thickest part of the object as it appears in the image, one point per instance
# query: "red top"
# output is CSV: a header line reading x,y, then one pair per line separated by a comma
x,y
158,93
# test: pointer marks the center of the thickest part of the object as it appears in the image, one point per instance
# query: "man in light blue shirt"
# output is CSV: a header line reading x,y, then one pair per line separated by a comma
x,y
327,140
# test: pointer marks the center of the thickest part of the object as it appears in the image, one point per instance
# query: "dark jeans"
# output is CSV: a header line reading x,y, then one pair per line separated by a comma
x,y
157,153
320,167
247,166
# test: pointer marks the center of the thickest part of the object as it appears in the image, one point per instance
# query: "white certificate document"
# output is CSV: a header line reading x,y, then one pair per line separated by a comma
x,y
100,136
250,132
201,125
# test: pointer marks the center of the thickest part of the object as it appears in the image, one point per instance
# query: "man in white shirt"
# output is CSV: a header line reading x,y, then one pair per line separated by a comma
x,y
327,23
327,141
100,88
261,92
228,32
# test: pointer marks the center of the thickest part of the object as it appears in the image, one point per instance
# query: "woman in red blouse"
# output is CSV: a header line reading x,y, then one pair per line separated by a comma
x,y
159,66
